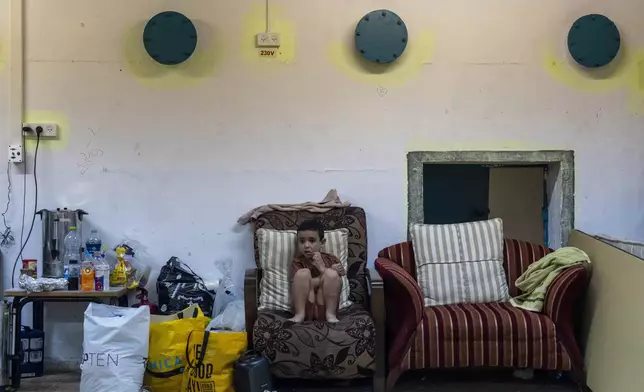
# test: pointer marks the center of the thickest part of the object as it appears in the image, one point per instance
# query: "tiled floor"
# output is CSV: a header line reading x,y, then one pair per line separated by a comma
x,y
433,382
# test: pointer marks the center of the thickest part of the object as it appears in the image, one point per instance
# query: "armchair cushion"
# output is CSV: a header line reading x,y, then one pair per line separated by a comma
x,y
488,335
277,249
315,349
460,263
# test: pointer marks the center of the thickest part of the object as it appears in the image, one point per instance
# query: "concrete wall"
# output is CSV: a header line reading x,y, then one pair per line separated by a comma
x,y
177,155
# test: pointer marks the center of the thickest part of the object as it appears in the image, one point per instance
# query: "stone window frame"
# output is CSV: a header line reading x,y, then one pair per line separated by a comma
x,y
561,182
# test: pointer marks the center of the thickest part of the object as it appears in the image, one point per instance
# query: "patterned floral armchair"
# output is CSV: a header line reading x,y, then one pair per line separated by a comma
x,y
353,348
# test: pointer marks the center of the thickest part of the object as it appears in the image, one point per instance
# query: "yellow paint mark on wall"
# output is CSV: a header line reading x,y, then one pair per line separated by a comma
x,y
419,51
203,63
255,22
626,72
49,116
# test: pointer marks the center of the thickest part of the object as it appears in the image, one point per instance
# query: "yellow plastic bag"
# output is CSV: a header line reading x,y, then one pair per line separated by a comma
x,y
210,357
167,352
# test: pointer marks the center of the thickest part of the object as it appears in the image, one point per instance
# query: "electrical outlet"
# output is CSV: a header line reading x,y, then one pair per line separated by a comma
x,y
15,153
268,40
49,130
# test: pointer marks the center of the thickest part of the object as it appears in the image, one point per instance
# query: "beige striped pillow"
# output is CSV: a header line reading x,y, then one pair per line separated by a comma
x,y
277,249
460,263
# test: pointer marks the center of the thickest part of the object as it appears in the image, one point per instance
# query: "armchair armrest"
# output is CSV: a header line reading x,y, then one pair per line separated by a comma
x,y
251,300
404,304
376,291
560,304
563,294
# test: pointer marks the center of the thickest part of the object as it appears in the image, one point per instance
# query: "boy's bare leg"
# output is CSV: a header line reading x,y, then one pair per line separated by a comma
x,y
312,296
300,291
330,287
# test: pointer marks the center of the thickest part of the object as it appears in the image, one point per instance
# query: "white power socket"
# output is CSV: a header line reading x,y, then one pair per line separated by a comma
x,y
49,130
268,40
16,153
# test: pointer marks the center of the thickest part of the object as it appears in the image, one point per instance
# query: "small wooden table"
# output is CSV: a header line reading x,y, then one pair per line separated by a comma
x,y
115,295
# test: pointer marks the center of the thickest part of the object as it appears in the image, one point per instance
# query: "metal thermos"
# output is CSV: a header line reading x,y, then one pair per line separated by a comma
x,y
252,373
55,226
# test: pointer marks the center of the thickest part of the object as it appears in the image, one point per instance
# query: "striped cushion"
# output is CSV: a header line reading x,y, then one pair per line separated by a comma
x,y
277,249
487,335
460,263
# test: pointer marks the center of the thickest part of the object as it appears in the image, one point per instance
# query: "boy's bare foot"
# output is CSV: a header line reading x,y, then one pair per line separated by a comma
x,y
297,318
331,318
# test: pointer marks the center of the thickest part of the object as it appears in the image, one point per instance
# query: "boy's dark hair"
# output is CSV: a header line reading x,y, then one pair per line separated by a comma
x,y
312,225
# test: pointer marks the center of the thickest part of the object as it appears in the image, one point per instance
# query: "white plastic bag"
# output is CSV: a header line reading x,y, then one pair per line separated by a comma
x,y
228,289
233,318
115,348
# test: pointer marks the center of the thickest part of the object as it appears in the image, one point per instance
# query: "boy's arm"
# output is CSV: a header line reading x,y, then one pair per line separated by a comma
x,y
295,266
337,266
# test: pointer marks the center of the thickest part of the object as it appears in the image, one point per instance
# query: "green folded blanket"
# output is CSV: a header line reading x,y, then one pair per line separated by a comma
x,y
534,282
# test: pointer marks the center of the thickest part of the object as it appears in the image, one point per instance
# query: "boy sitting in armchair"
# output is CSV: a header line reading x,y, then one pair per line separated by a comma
x,y
316,281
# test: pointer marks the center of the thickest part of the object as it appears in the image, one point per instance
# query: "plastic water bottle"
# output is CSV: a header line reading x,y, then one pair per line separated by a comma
x,y
93,243
72,245
101,273
71,258
72,274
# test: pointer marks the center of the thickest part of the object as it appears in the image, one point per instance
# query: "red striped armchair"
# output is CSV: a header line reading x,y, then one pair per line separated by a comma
x,y
479,335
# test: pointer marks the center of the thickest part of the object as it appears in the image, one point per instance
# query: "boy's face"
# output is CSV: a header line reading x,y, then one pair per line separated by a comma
x,y
308,243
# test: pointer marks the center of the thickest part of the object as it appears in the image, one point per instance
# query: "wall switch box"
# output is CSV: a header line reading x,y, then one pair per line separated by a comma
x,y
15,153
268,40
49,130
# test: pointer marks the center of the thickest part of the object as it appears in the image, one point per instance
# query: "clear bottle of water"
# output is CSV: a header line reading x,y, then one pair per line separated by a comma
x,y
72,274
101,273
72,244
93,243
71,257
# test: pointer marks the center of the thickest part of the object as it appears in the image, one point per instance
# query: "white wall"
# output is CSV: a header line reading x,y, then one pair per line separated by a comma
x,y
184,156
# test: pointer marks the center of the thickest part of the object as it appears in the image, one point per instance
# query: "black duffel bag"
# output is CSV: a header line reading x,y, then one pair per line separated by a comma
x,y
178,287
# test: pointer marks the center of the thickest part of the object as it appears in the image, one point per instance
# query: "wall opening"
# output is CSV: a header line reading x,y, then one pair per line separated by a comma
x,y
532,191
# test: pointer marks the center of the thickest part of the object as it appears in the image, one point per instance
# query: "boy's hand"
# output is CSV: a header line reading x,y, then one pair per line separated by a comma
x,y
339,268
317,262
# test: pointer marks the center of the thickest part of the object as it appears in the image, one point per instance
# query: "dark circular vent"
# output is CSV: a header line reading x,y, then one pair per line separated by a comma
x,y
381,36
170,38
593,41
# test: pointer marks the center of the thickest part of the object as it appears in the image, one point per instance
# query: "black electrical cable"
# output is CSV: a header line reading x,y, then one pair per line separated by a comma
x,y
33,219
6,209
6,238
24,192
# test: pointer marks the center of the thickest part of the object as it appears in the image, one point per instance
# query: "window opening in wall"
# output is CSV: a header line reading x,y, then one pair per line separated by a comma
x,y
456,193
532,191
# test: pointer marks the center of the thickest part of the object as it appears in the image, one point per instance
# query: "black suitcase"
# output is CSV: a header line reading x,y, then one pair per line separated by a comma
x,y
252,373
